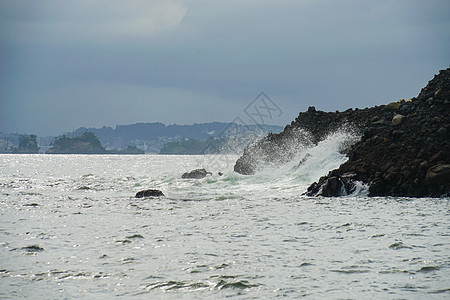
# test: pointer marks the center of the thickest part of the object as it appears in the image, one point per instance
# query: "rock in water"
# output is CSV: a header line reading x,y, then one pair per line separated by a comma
x,y
404,148
332,187
196,174
149,193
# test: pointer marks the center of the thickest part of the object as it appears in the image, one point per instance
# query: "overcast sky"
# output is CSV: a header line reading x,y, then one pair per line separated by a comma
x,y
66,64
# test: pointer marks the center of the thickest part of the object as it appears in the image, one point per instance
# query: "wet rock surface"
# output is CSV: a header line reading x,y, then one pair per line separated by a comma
x,y
149,193
404,149
196,174
439,174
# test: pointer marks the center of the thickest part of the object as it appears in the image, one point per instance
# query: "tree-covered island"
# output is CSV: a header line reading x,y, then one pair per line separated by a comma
x,y
87,143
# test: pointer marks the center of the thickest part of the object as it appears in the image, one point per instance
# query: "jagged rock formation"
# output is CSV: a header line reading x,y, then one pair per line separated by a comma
x,y
404,149
196,174
149,193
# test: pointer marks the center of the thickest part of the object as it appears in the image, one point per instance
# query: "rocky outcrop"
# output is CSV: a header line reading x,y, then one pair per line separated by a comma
x,y
149,193
308,129
196,174
404,149
87,143
334,186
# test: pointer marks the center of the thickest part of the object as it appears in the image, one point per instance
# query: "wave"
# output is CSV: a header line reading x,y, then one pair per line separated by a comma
x,y
286,180
108,177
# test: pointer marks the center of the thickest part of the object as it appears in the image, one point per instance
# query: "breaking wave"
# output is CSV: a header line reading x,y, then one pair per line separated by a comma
x,y
289,173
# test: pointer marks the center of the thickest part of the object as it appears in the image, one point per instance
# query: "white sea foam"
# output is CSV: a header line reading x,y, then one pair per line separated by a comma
x,y
71,228
309,163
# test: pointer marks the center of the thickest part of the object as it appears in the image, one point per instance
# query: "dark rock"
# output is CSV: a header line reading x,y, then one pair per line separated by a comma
x,y
393,156
405,109
196,174
420,153
396,134
311,109
332,187
378,187
442,131
245,165
440,156
33,248
423,165
149,193
438,174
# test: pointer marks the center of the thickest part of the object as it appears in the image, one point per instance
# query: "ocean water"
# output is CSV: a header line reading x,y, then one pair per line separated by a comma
x,y
70,227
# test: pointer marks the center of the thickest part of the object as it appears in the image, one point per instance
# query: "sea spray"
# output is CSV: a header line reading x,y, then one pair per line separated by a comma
x,y
288,175
327,155
234,139
309,163
361,190
265,153
237,139
239,237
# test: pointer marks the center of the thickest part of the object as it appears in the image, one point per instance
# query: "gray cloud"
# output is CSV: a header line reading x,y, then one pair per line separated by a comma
x,y
56,22
115,62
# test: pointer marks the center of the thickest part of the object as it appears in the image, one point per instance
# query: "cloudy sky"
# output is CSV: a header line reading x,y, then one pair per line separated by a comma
x,y
66,64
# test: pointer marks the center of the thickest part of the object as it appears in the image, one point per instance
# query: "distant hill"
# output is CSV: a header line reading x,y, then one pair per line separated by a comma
x,y
151,137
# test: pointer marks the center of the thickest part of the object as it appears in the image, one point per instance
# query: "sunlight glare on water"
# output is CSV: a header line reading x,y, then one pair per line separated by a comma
x,y
71,227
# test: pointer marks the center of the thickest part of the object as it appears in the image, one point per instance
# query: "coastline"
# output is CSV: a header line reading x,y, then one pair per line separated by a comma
x,y
403,151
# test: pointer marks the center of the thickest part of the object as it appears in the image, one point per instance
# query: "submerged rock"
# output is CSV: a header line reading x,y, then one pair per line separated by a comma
x,y
333,186
196,174
33,248
149,193
393,157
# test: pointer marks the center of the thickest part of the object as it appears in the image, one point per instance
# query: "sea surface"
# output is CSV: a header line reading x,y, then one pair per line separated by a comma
x,y
70,227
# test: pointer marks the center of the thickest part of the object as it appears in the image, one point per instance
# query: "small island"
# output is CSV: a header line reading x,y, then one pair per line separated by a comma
x,y
18,143
27,144
87,143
